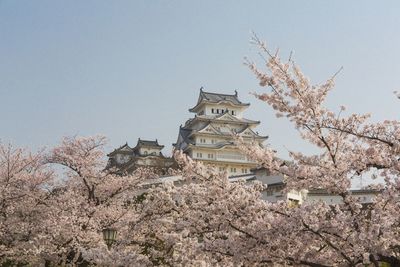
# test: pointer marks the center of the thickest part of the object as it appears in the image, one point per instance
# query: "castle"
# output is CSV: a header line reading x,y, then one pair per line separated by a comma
x,y
207,137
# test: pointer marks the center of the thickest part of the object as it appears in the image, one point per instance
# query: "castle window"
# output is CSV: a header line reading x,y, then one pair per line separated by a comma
x,y
212,110
210,156
233,169
233,112
199,155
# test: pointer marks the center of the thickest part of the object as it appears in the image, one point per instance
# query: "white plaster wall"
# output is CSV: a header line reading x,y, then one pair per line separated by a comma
x,y
122,158
331,199
149,151
208,109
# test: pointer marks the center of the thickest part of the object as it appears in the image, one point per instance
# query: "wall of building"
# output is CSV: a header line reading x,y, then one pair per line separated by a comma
x,y
206,140
122,158
149,151
231,168
223,155
275,194
219,109
366,197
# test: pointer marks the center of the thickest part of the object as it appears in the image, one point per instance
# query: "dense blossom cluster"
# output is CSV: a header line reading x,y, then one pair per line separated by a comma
x,y
53,216
350,146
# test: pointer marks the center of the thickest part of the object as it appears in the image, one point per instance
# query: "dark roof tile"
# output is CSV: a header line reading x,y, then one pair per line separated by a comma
x,y
148,143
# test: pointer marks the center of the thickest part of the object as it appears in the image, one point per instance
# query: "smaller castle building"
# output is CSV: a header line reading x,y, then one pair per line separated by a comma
x,y
146,153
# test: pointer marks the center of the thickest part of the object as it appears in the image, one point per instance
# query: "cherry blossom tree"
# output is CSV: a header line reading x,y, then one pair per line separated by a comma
x,y
54,205
55,216
90,200
209,220
350,146
24,183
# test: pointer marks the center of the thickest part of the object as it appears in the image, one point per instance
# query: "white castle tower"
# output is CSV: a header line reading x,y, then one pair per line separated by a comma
x,y
208,136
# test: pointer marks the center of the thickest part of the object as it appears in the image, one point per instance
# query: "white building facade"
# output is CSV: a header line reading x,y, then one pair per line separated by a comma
x,y
276,183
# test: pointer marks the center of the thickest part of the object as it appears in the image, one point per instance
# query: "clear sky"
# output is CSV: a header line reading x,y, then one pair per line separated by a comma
x,y
129,69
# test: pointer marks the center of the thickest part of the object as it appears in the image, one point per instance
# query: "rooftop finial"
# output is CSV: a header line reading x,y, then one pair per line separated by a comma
x,y
201,89
236,94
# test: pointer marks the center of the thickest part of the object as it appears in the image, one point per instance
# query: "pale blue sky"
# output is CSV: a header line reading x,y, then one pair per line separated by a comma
x,y
130,69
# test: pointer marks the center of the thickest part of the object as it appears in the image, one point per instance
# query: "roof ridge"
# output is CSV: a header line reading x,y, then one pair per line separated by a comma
x,y
148,140
204,92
